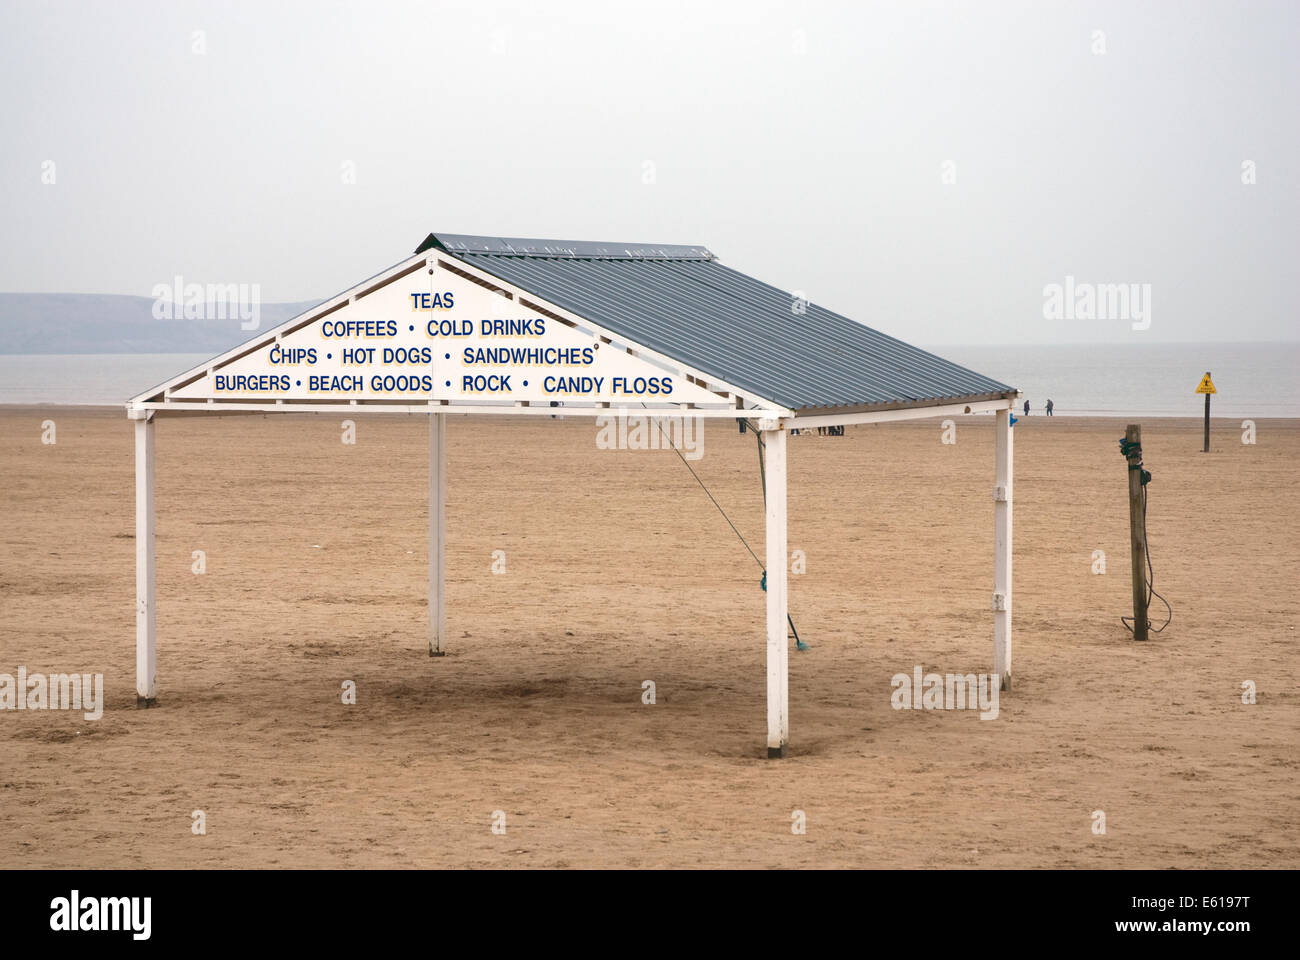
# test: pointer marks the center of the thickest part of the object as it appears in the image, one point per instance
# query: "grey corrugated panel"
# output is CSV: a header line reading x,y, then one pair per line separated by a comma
x,y
646,312
884,359
813,359
806,337
684,304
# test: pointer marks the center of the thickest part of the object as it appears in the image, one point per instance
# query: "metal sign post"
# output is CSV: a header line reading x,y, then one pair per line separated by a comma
x,y
1206,387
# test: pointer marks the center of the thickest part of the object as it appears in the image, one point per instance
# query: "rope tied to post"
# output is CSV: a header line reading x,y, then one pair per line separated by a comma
x,y
1132,450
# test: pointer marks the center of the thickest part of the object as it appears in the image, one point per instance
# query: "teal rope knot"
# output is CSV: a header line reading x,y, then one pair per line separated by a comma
x,y
1131,449
799,644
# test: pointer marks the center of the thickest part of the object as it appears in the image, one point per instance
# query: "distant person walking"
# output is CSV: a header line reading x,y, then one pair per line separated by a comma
x,y
1026,408
1049,406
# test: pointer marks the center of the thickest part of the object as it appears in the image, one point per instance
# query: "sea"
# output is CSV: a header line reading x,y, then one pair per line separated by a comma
x,y
1254,380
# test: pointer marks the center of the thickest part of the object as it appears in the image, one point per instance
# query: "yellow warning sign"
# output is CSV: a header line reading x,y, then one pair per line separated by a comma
x,y
1206,385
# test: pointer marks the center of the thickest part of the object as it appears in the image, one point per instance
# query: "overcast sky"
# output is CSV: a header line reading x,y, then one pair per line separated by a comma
x,y
807,144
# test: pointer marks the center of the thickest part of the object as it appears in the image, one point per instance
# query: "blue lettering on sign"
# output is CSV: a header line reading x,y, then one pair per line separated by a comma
x,y
358,354
358,328
492,383
279,355
420,355
531,327
432,301
257,382
401,383
449,328
572,384
537,356
334,384
643,386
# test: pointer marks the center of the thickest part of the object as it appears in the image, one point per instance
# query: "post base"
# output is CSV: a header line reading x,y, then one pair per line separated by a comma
x,y
144,703
776,753
1005,685
437,653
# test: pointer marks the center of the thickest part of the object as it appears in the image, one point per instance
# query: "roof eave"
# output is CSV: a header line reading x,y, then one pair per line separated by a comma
x,y
853,408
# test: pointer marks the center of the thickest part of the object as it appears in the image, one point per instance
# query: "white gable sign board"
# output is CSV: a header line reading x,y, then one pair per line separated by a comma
x,y
439,337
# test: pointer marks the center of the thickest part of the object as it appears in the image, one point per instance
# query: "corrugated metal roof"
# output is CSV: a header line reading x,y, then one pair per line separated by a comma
x,y
566,249
683,303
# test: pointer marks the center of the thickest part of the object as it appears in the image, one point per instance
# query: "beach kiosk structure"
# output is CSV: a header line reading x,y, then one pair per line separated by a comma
x,y
507,326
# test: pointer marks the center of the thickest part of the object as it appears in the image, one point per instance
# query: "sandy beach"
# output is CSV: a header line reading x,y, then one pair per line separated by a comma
x,y
619,570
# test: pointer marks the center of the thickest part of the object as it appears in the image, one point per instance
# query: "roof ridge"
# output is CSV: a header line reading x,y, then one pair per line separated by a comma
x,y
455,243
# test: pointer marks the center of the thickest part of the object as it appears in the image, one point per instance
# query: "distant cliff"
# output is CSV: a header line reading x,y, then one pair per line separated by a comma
x,y
109,323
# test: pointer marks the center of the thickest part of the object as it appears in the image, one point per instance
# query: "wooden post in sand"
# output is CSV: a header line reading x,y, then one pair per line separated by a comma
x,y
437,533
146,581
1137,529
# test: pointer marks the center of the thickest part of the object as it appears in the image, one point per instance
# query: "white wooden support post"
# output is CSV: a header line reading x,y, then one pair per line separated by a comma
x,y
437,532
1002,499
778,646
146,586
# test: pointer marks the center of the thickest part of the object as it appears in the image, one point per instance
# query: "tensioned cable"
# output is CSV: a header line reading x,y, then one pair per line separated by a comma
x,y
799,644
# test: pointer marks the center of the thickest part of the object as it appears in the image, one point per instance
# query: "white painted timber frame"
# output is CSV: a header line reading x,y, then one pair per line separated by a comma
x,y
774,422
777,573
146,559
437,533
1002,489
